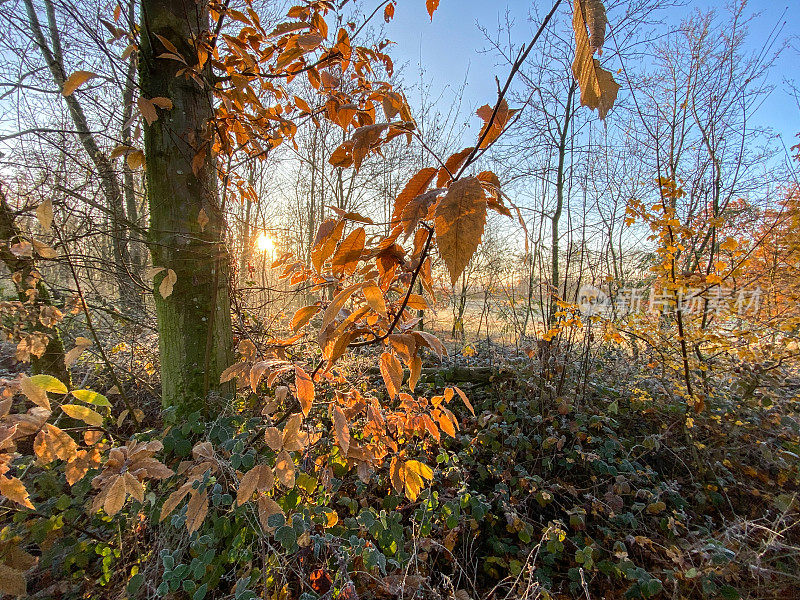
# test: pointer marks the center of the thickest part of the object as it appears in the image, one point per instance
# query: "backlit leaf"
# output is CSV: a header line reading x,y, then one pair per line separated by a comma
x,y
345,260
74,81
49,384
284,469
417,185
303,316
305,389
337,304
374,297
44,213
598,88
91,397
341,429
83,413
392,372
460,219
13,489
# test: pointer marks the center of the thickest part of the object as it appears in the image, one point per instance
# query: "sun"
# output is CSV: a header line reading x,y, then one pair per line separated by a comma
x,y
265,244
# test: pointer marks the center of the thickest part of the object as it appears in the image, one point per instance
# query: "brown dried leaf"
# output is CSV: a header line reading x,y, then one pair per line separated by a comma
x,y
266,508
12,581
196,510
115,496
44,213
460,219
305,389
392,372
33,392
13,489
247,486
303,316
341,430
374,296
349,252
417,185
167,284
598,88
284,469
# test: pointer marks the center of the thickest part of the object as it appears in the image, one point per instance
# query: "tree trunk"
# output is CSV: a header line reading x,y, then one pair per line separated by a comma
x,y
560,177
52,361
194,322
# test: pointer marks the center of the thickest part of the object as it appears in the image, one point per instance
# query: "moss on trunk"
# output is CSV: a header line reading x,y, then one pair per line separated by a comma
x,y
194,322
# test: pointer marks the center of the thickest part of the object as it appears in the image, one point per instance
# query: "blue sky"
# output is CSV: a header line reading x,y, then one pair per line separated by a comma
x,y
449,48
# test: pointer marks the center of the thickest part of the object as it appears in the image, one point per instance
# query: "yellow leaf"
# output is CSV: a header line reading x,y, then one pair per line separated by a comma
x,y
91,397
76,80
460,219
419,468
115,497
341,430
49,384
135,159
331,518
83,413
730,244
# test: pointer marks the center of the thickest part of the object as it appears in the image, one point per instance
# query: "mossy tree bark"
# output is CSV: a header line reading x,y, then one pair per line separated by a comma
x,y
52,361
194,322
